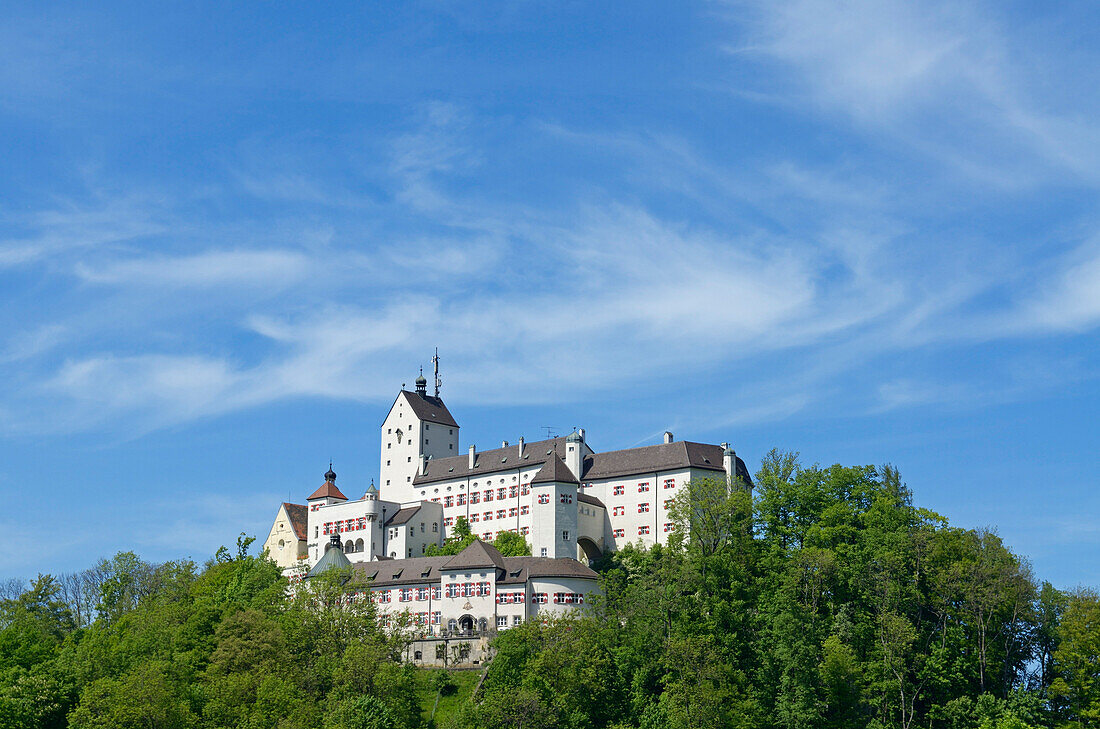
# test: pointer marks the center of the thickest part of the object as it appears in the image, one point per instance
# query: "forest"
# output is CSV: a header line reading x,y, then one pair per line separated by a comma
x,y
826,598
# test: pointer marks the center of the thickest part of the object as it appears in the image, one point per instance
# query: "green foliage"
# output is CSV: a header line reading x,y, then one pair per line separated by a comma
x,y
825,599
1076,666
509,544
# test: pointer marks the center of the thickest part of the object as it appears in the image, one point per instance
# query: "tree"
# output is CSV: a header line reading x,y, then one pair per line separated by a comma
x,y
512,544
1076,688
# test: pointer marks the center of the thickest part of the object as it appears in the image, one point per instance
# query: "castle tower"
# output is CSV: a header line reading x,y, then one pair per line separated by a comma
x,y
554,510
418,425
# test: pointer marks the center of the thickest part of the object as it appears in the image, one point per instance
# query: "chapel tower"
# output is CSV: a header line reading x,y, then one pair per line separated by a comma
x,y
418,427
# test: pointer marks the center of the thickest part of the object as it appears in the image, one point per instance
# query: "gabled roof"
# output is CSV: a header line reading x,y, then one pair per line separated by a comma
x,y
478,554
491,461
411,571
660,457
333,559
327,490
554,471
586,499
520,569
429,408
296,514
425,570
402,516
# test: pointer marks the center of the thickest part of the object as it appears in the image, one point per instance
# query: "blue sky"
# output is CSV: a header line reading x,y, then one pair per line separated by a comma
x,y
864,231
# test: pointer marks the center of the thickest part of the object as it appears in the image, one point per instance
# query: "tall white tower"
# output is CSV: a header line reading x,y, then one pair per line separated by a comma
x,y
418,424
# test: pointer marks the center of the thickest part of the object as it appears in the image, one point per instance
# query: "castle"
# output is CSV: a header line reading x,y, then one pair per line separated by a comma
x,y
571,503
565,498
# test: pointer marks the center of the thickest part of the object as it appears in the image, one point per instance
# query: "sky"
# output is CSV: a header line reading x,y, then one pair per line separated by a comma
x,y
866,231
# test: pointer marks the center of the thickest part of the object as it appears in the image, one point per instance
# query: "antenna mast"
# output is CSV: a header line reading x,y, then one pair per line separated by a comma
x,y
435,361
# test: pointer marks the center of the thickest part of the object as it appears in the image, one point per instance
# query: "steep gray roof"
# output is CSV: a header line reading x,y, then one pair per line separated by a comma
x,y
554,471
429,408
478,554
491,461
586,499
511,570
402,516
414,570
520,569
660,457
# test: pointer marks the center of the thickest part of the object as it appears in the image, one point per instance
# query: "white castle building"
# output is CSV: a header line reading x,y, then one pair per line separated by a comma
x,y
568,500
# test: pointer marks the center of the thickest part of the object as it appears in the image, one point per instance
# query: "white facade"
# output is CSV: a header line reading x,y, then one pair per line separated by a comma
x,y
565,498
416,427
370,527
476,592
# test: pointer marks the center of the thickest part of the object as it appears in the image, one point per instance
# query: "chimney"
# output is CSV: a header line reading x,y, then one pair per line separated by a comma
x,y
473,455
580,432
423,465
668,436
504,444
521,446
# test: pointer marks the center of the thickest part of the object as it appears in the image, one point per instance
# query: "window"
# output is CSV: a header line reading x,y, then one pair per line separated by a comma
x,y
502,493
565,536
565,499
618,490
543,552
461,500
517,620
544,498
643,508
643,529
437,592
668,527
568,598
525,530
618,511
525,510
448,501
475,498
474,518
502,621
448,521
668,504
513,511
489,495
513,491
487,536
670,483
500,513
488,516
435,527
643,486
539,598
421,593
618,533
525,490
452,589
406,595
437,618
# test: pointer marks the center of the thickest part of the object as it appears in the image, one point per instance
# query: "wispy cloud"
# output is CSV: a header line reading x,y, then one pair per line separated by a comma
x,y
942,78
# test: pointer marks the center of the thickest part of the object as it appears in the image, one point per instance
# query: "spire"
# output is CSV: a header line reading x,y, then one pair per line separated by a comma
x,y
421,384
435,362
330,475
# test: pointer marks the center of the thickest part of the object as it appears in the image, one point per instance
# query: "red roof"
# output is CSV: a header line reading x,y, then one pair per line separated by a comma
x,y
328,489
296,513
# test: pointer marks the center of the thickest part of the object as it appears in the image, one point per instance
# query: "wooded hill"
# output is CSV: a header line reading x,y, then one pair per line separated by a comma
x,y
826,600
